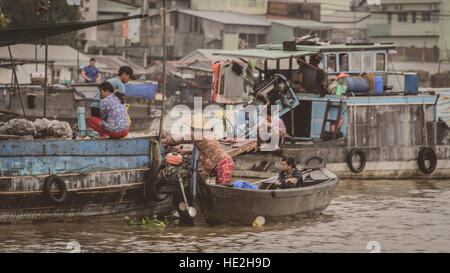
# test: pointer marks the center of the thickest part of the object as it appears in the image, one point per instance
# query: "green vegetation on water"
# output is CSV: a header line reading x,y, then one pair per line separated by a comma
x,y
152,223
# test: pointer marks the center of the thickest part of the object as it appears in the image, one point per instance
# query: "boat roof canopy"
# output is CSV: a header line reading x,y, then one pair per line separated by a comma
x,y
276,52
268,54
332,47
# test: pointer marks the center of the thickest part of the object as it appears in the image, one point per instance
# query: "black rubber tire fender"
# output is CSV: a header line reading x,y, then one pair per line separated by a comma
x,y
154,177
362,155
154,180
424,154
48,183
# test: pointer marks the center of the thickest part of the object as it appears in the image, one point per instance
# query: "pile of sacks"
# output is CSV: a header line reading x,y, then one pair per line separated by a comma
x,y
40,128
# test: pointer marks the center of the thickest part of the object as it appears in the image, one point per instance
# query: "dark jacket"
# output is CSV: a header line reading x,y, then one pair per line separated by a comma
x,y
282,176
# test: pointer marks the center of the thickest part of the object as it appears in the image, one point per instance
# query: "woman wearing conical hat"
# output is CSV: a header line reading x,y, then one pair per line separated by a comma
x,y
212,157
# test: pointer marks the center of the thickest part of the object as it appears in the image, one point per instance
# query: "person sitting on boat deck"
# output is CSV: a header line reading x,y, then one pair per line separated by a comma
x,y
289,176
213,159
312,77
273,124
118,83
114,122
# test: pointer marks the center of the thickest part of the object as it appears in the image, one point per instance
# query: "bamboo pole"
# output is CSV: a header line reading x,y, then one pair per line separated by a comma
x,y
17,81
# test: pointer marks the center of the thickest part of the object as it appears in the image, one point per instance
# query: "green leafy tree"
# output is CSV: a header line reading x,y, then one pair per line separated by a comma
x,y
33,12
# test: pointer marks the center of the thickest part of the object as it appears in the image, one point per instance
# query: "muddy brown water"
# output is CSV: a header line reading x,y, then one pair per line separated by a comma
x,y
364,216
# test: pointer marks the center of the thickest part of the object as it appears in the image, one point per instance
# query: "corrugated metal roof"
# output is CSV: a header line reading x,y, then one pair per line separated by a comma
x,y
302,23
201,54
111,64
115,7
229,18
263,54
60,54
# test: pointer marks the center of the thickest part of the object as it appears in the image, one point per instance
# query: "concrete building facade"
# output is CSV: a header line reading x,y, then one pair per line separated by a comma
x,y
62,62
242,6
188,30
419,28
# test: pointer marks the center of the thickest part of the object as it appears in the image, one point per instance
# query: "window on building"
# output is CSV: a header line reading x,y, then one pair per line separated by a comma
x,y
426,16
331,62
174,20
251,40
343,62
56,73
355,61
403,17
381,61
196,25
435,17
32,101
261,39
413,19
389,18
368,61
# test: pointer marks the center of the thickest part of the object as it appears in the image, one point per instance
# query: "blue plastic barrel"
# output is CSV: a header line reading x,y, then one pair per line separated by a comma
x,y
379,84
357,84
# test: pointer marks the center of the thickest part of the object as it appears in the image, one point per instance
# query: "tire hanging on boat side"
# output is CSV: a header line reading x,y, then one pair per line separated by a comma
x,y
361,154
154,174
427,154
48,183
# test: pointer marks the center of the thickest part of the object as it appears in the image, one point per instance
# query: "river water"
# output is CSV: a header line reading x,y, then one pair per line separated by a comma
x,y
390,215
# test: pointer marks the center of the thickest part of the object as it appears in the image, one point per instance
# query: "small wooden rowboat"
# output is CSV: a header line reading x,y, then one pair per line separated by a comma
x,y
229,205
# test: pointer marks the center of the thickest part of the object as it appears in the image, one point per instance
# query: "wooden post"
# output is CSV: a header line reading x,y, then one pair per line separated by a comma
x,y
163,14
46,64
292,127
35,56
265,69
46,77
17,81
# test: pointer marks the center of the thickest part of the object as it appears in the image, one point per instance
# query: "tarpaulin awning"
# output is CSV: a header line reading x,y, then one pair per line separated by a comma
x,y
141,90
23,34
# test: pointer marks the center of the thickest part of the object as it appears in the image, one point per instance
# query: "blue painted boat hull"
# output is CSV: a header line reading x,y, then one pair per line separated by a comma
x,y
102,177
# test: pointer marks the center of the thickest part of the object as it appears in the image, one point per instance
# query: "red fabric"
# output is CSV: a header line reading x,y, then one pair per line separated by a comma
x,y
95,124
224,171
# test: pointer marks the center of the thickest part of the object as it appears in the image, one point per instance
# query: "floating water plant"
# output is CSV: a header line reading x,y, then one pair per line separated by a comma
x,y
153,223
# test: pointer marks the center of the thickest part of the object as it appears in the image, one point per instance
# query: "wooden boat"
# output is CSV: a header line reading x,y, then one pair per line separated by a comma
x,y
229,205
395,131
63,179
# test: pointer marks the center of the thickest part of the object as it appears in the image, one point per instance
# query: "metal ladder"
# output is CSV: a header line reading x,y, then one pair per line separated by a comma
x,y
335,121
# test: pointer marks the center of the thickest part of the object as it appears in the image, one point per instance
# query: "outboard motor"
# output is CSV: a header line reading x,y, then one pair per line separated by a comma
x,y
271,90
